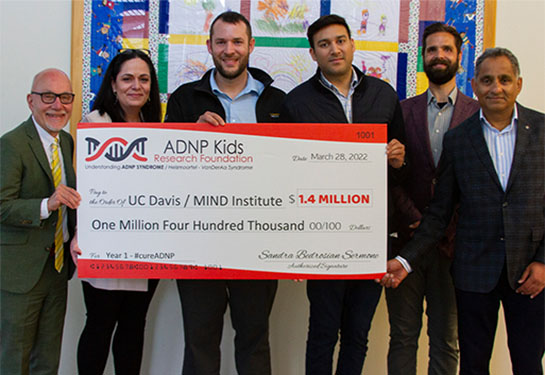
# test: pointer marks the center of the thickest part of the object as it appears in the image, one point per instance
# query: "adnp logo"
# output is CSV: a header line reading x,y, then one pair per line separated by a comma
x,y
116,149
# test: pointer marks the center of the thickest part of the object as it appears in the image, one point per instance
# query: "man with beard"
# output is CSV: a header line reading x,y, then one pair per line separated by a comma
x,y
231,92
427,117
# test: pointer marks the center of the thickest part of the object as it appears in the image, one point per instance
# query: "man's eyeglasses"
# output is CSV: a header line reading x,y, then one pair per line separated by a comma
x,y
50,97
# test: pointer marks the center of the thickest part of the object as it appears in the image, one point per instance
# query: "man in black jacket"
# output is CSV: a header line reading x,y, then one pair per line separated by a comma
x,y
340,93
231,92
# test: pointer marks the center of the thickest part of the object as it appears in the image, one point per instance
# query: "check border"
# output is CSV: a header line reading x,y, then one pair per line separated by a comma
x,y
102,268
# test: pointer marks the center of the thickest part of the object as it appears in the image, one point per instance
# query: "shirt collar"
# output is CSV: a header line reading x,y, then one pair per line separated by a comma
x,y
47,139
331,86
514,120
451,97
252,85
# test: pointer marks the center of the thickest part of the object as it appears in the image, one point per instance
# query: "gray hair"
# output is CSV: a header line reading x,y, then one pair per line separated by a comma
x,y
498,52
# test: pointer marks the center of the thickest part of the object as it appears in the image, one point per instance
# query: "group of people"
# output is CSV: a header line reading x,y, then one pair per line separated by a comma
x,y
469,201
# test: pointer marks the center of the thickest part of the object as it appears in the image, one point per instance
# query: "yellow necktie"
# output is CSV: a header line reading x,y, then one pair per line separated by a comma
x,y
59,240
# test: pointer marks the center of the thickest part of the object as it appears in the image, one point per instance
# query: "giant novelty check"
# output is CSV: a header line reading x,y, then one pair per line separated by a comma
x,y
242,201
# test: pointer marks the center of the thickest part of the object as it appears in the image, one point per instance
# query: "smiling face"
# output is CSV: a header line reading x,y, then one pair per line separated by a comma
x,y
333,51
230,47
441,58
497,86
132,85
52,117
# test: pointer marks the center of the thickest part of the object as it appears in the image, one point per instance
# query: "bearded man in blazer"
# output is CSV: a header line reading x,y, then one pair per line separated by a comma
x,y
33,284
427,118
493,168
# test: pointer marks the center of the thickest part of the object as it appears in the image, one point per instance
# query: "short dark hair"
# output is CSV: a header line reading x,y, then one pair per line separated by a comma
x,y
439,27
233,18
106,101
498,52
324,21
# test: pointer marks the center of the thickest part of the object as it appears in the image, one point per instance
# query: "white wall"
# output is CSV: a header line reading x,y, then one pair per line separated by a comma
x,y
36,34
520,28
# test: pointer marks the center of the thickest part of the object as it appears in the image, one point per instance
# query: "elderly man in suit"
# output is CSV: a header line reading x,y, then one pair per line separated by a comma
x,y
427,117
493,169
37,219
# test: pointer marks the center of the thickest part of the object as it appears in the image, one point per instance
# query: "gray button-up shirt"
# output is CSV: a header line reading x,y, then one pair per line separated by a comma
x,y
439,121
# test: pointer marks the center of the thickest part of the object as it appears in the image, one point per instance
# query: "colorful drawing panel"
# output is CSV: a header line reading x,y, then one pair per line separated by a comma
x,y
284,17
376,21
288,66
463,16
112,23
387,34
195,16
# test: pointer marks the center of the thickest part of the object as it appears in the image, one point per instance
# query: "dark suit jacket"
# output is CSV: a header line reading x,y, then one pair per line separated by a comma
x,y
495,227
414,196
25,180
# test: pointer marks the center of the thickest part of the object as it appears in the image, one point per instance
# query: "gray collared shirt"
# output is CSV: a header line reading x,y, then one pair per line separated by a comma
x,y
346,101
439,122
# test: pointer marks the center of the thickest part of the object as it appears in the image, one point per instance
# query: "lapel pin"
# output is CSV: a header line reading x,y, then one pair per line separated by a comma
x,y
527,127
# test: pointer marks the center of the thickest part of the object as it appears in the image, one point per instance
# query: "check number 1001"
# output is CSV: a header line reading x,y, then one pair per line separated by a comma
x,y
365,135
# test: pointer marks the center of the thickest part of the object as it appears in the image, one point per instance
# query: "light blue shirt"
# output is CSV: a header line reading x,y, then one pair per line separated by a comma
x,y
346,101
501,145
241,109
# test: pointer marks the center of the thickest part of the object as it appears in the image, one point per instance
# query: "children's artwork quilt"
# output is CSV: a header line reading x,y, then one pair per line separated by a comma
x,y
387,34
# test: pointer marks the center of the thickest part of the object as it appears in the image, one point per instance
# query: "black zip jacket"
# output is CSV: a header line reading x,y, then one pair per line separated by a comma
x,y
192,99
373,102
